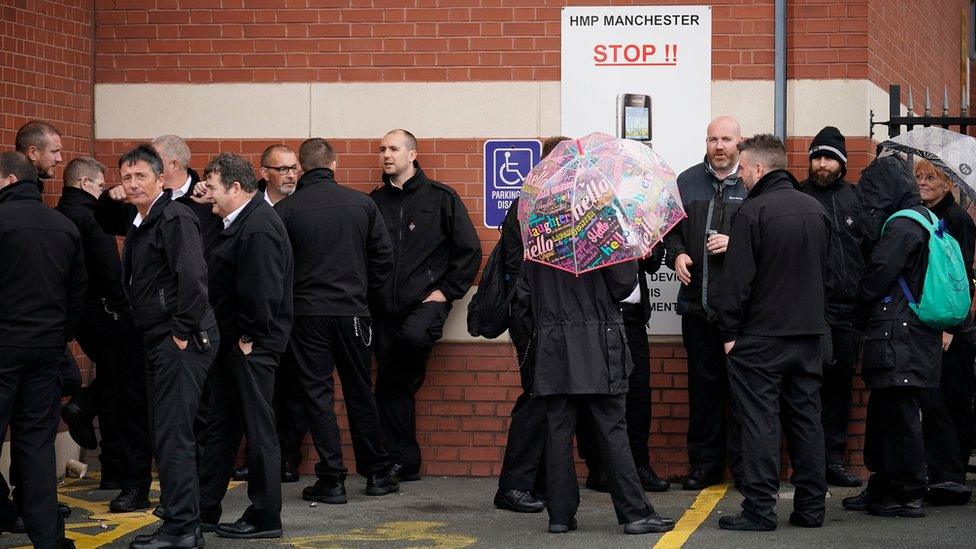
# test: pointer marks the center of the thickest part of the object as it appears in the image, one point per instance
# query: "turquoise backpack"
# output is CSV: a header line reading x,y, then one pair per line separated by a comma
x,y
945,299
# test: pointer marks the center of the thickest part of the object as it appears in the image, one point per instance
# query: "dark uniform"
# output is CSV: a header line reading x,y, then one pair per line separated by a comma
x,y
109,338
42,288
710,204
581,366
947,412
250,275
773,306
165,279
342,253
842,203
902,357
435,248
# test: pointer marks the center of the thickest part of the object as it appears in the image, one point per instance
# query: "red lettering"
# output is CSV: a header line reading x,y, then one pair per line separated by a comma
x,y
649,50
631,53
600,53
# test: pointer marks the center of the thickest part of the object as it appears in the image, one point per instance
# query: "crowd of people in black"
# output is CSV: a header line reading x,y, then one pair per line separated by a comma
x,y
234,300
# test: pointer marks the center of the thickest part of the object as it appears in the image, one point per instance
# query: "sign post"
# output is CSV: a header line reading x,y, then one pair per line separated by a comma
x,y
507,162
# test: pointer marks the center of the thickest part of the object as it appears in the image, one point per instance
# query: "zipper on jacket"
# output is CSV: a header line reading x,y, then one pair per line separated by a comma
x,y
162,297
396,265
840,243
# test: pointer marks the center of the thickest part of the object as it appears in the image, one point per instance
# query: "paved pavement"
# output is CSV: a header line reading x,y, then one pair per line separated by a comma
x,y
457,512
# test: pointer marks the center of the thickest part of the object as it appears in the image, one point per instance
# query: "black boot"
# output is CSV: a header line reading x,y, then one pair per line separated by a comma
x,y
162,540
289,473
326,492
650,481
837,475
378,484
859,502
597,480
129,500
741,522
947,493
892,508
519,501
653,523
699,479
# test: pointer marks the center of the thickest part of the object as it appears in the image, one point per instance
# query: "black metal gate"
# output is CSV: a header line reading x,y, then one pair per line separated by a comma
x,y
895,119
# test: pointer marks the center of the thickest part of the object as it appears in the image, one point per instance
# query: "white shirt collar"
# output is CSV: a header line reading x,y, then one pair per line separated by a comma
x,y
233,215
182,190
139,219
268,199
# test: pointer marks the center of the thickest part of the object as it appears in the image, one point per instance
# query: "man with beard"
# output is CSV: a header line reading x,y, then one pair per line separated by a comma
x,y
40,142
280,172
711,192
842,201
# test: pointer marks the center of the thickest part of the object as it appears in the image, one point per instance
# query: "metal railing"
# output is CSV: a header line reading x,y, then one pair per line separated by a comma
x,y
896,120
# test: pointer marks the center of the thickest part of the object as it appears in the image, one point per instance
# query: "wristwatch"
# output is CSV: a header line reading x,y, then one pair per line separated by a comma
x,y
246,339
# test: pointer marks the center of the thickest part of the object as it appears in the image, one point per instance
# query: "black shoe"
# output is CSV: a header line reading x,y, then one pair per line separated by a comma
x,y
64,510
381,485
240,473
159,511
740,522
837,475
14,525
797,520
109,485
208,527
289,474
245,530
128,501
699,479
596,480
650,481
162,540
80,425
859,502
653,523
563,528
326,492
891,508
947,493
519,501
198,533
399,471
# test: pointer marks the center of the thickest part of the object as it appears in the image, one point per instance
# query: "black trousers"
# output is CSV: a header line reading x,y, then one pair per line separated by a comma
x,y
522,466
894,448
947,415
402,344
769,376
708,395
176,381
290,417
118,397
240,402
29,405
837,392
320,345
638,398
562,487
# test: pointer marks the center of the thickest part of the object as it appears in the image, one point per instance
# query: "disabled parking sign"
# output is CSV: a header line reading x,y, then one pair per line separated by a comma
x,y
507,163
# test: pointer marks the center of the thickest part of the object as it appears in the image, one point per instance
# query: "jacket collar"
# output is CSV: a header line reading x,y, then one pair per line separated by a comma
x,y
943,205
773,181
21,190
77,197
238,222
317,175
730,179
412,184
157,209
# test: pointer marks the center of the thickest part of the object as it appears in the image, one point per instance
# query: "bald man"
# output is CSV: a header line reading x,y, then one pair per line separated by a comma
x,y
711,192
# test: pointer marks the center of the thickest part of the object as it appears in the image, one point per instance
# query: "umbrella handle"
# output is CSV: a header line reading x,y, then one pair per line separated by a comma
x,y
580,147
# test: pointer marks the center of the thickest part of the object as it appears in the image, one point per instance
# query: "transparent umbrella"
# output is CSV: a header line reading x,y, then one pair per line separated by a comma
x,y
951,152
596,201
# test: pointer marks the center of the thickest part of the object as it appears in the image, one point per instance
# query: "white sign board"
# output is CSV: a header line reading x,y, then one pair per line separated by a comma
x,y
645,73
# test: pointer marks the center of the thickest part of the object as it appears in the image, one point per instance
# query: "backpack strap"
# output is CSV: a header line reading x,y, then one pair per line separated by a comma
x,y
935,227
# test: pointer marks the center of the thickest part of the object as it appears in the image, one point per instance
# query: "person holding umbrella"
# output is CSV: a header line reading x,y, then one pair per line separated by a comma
x,y
587,212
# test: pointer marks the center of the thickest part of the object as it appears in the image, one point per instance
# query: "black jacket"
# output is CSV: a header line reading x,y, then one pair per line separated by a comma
x,y
435,245
116,217
164,274
899,351
579,344
776,275
42,270
342,250
101,252
842,202
250,271
960,225
710,204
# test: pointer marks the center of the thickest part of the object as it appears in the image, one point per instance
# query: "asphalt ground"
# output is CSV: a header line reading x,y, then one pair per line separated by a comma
x,y
458,512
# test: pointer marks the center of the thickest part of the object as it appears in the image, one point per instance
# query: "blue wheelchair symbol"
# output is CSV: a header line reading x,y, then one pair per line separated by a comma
x,y
513,165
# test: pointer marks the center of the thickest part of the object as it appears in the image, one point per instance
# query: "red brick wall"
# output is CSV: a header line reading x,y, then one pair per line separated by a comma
x,y
47,63
917,43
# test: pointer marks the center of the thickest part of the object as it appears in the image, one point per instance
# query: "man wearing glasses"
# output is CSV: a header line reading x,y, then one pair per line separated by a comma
x,y
280,170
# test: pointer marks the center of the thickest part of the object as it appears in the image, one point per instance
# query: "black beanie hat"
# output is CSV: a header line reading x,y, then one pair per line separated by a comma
x,y
829,142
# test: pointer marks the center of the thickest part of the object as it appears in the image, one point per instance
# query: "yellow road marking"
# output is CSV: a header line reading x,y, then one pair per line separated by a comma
x,y
424,532
693,517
